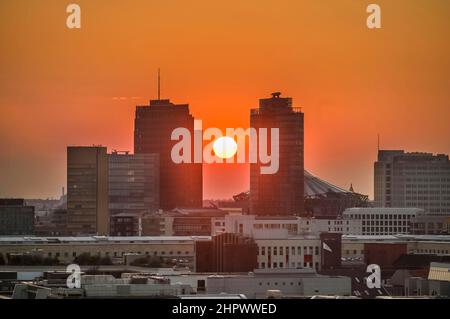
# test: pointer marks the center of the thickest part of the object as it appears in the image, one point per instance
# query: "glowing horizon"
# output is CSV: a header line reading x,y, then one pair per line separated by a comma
x,y
60,87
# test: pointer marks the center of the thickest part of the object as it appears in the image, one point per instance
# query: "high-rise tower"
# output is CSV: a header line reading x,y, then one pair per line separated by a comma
x,y
87,190
280,193
180,184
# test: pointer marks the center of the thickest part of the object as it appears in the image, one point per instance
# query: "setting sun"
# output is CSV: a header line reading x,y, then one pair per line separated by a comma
x,y
225,147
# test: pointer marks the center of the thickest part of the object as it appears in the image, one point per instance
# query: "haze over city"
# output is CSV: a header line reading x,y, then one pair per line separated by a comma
x,y
60,88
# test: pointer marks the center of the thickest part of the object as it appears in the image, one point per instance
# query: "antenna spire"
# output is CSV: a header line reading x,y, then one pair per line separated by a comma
x,y
378,142
159,84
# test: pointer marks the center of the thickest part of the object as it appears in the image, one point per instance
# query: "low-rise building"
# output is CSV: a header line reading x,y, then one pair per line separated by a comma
x,y
289,282
66,249
380,221
16,218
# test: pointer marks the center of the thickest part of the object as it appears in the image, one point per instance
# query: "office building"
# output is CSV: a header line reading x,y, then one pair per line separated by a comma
x,y
380,220
180,184
133,183
226,253
420,180
280,193
252,225
125,224
206,221
426,223
87,190
16,218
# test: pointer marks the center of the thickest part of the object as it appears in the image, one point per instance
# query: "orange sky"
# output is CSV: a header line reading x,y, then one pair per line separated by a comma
x,y
57,86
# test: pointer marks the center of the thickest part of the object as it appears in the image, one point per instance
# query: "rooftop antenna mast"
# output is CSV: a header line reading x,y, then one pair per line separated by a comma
x,y
378,141
159,84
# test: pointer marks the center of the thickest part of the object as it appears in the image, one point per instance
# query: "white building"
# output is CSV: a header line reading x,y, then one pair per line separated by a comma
x,y
289,282
380,221
251,225
285,241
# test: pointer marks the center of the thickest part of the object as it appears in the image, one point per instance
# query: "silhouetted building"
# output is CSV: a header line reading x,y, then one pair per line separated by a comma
x,y
280,193
87,190
133,183
226,253
125,224
15,217
331,250
384,255
53,224
180,184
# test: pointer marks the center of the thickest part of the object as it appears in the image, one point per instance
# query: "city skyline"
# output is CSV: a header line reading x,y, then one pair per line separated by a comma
x,y
60,88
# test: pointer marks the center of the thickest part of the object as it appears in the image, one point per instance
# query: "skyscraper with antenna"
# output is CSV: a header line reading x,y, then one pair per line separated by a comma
x,y
180,184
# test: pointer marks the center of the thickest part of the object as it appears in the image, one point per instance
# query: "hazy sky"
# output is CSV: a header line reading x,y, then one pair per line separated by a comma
x,y
62,87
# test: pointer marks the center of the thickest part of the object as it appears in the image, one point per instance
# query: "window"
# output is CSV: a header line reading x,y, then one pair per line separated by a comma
x,y
281,265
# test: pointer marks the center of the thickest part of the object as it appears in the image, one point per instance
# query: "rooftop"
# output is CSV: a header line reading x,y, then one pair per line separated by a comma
x,y
99,239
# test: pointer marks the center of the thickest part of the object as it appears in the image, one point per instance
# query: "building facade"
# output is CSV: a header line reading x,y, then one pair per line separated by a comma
x,y
252,225
419,180
133,183
180,184
87,190
125,224
381,221
16,218
226,253
66,249
282,192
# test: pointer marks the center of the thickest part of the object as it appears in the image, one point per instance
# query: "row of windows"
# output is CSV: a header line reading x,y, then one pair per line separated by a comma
x,y
117,254
263,265
276,283
385,230
433,251
381,216
385,223
288,250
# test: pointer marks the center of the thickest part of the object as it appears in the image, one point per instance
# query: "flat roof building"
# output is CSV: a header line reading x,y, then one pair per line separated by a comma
x,y
282,192
133,183
420,180
16,218
87,190
180,184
